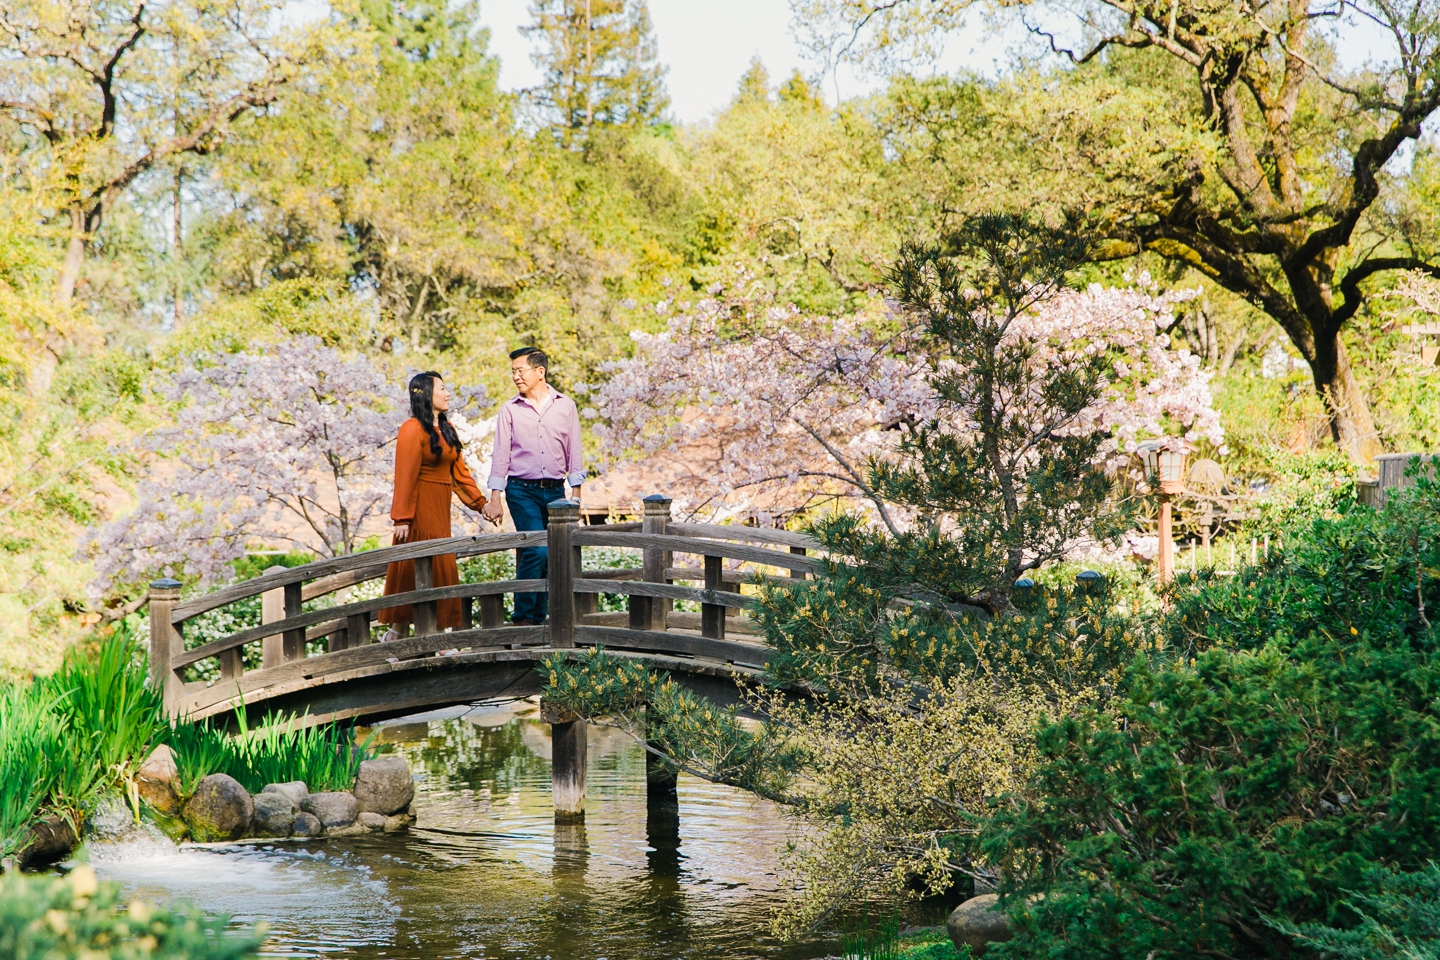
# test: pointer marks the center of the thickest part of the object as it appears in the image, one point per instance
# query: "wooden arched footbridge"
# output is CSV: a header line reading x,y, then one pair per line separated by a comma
x,y
319,657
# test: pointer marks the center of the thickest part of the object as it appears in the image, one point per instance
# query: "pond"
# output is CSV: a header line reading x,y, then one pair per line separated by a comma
x,y
487,874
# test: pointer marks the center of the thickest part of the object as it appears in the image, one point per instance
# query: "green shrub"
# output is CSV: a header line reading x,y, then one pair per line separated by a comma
x,y
886,942
69,738
78,918
1372,572
110,713
1217,802
30,736
1401,920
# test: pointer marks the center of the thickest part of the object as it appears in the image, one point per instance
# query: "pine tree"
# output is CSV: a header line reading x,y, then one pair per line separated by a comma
x,y
601,66
797,89
755,84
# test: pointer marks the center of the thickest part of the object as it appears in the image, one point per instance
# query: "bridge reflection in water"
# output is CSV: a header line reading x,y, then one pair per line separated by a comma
x,y
486,873
356,678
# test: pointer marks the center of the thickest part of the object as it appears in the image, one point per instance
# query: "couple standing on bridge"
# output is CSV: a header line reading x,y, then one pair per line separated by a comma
x,y
537,451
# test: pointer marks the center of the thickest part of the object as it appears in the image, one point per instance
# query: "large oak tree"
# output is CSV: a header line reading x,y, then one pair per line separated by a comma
x,y
1283,210
106,91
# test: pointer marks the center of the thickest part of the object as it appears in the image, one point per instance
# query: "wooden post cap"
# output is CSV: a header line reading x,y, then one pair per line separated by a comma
x,y
564,511
655,501
165,583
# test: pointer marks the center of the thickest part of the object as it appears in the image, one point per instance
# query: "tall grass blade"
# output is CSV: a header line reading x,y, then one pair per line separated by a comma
x,y
30,738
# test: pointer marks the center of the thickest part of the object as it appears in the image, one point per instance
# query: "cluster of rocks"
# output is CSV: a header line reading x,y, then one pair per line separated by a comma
x,y
221,809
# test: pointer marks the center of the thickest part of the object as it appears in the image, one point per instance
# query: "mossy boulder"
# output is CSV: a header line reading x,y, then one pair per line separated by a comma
x,y
977,923
220,809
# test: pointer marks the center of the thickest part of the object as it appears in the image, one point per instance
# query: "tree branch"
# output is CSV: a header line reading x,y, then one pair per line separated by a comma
x,y
1350,283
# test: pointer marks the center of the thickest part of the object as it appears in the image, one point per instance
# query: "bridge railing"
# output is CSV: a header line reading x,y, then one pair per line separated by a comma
x,y
649,625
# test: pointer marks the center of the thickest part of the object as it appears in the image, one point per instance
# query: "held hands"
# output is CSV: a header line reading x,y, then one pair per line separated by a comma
x,y
494,510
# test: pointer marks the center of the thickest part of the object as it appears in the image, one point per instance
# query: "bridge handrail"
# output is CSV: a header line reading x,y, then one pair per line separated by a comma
x,y
593,537
717,531
250,635
460,546
288,628
639,588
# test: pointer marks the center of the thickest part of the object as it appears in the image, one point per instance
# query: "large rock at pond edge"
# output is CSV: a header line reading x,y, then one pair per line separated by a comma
x,y
274,815
49,841
159,781
219,810
337,809
384,786
307,825
295,790
977,923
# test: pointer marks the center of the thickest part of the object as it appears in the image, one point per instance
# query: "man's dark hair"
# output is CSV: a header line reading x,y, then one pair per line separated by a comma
x,y
533,355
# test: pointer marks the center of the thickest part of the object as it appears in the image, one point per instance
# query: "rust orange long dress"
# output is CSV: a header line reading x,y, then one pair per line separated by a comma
x,y
423,484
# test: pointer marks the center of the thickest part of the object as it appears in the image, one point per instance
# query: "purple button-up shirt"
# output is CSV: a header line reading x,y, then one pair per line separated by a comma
x,y
539,444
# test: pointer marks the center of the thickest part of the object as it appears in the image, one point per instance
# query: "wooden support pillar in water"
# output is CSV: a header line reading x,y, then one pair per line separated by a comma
x,y
568,748
659,777
567,779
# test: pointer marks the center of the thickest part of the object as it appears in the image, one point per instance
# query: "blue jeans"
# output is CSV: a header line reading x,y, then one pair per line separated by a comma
x,y
529,508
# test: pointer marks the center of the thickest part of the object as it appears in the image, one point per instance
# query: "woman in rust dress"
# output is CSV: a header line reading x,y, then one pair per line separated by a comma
x,y
428,466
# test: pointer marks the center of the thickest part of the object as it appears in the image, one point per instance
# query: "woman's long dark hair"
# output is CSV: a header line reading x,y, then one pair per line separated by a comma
x,y
422,408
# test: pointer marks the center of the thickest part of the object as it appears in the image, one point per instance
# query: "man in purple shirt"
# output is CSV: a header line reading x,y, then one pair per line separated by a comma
x,y
537,451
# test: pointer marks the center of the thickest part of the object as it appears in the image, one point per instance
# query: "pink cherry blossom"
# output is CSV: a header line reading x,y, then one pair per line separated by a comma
x,y
773,408
283,444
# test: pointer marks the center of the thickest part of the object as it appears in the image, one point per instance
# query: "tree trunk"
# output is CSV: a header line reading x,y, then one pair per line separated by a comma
x,y
74,259
42,373
177,256
1351,424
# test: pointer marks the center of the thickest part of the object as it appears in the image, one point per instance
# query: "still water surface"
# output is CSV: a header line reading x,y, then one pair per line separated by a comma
x,y
487,874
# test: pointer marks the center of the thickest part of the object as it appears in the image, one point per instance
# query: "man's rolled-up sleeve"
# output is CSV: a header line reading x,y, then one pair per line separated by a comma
x,y
575,466
500,456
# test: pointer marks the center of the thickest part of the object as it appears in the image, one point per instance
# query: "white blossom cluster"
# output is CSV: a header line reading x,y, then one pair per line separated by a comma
x,y
756,394
1156,391
763,395
281,444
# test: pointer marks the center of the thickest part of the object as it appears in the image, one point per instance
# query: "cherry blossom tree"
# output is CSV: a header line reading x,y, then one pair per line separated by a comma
x,y
760,405
1150,390
283,443
749,396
